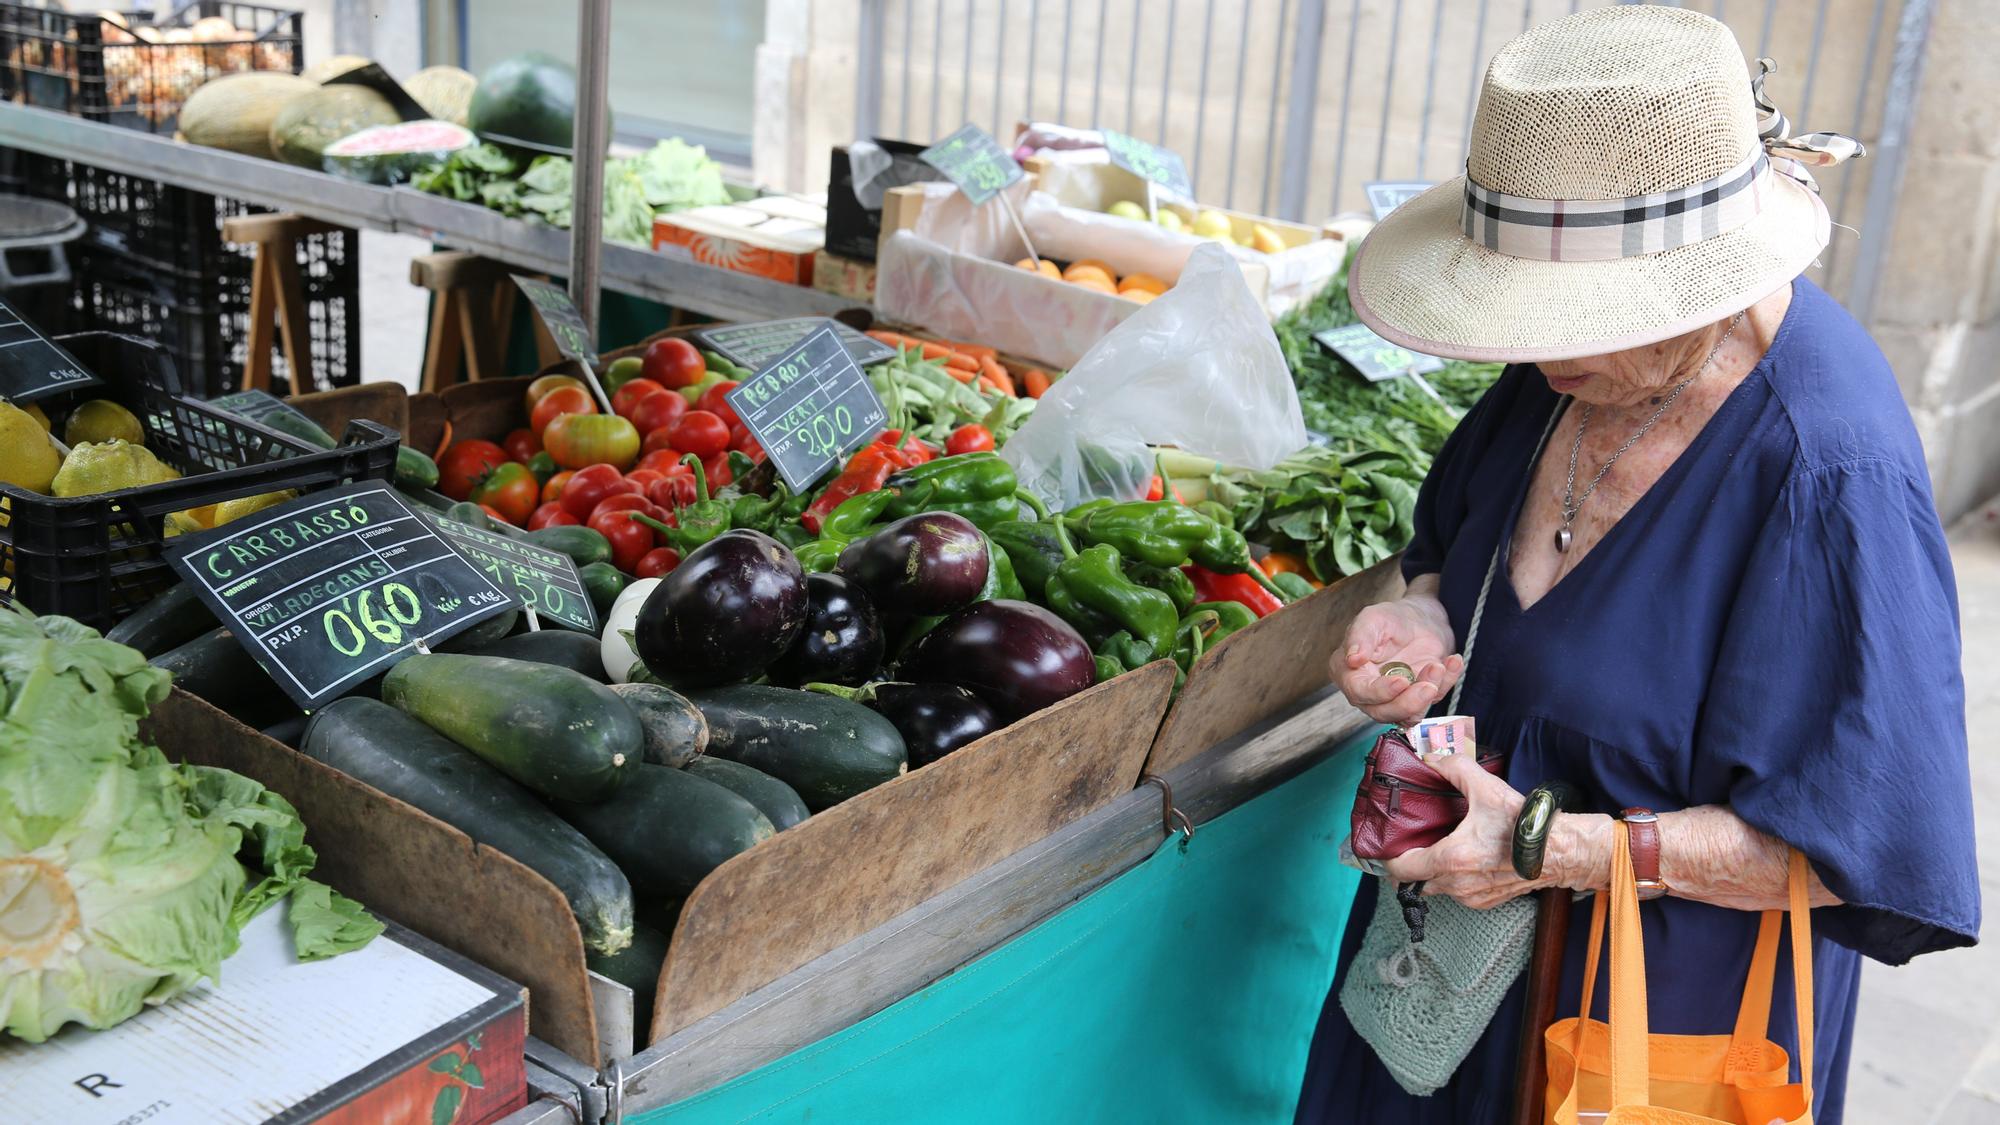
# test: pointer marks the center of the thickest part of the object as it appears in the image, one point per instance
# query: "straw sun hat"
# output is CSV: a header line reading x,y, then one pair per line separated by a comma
x,y
1626,183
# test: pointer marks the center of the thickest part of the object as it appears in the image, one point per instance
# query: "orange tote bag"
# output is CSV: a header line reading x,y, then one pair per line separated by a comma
x,y
1621,1075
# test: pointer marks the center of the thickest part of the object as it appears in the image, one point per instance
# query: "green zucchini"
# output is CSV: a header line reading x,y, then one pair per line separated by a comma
x,y
583,545
826,748
168,621
637,967
485,633
555,731
380,746
676,732
603,582
287,730
668,829
471,515
563,648
218,669
779,802
414,470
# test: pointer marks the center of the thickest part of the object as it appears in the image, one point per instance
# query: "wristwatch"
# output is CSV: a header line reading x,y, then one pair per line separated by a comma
x,y
1642,829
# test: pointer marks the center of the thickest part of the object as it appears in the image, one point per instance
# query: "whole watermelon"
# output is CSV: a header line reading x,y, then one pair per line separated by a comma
x,y
530,97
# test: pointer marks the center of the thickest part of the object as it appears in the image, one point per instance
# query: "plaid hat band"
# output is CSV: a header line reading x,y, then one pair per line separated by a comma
x,y
1595,230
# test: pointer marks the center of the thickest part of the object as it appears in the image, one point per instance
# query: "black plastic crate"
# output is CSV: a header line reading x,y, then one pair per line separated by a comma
x,y
97,558
133,70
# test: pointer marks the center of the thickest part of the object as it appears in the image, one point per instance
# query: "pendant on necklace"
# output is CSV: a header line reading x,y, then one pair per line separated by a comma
x,y
1563,538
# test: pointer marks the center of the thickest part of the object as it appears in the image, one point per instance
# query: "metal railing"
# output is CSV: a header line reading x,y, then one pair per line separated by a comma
x,y
1288,107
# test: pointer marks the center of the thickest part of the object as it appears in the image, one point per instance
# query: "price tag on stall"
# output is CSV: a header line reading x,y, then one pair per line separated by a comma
x,y
264,407
546,581
1163,166
1385,196
33,366
1377,359
973,160
560,316
330,589
809,408
756,344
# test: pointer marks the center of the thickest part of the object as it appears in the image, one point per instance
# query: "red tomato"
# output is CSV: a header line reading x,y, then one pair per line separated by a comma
x,y
493,513
712,401
580,440
657,411
676,491
547,383
552,488
674,363
551,514
626,397
630,539
644,478
464,463
622,502
522,444
752,450
562,400
657,562
700,433
510,489
665,461
717,469
588,486
969,438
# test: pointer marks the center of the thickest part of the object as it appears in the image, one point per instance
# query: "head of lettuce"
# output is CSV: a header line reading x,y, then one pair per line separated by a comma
x,y
125,878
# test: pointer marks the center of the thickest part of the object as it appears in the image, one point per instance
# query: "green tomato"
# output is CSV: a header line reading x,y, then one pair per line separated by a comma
x,y
622,371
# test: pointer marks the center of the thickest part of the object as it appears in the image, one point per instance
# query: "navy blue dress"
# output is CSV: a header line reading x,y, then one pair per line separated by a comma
x,y
1773,627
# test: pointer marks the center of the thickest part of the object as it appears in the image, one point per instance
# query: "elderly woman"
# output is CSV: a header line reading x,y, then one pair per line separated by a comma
x,y
1695,525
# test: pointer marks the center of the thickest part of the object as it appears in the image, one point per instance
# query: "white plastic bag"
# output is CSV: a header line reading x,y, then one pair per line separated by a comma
x,y
1198,368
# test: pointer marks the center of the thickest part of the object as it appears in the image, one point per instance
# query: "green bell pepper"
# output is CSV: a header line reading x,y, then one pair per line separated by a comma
x,y
846,523
792,534
1108,668
1090,588
1294,585
1229,617
1156,532
1127,650
699,522
966,483
1001,581
1032,548
1167,580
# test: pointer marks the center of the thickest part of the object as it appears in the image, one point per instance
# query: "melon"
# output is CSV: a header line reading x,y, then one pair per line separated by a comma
x,y
333,66
236,111
390,154
314,120
530,98
445,92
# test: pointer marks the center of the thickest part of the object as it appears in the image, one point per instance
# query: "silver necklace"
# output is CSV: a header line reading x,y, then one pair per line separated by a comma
x,y
1572,503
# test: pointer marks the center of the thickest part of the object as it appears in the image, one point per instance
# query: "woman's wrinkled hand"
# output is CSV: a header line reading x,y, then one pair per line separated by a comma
x,y
1475,864
1414,631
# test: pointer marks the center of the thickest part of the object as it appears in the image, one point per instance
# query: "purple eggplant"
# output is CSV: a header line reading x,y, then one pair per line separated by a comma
x,y
1016,656
934,719
729,610
842,642
923,565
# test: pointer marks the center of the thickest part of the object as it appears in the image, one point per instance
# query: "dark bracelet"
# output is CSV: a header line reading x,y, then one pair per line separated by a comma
x,y
1531,828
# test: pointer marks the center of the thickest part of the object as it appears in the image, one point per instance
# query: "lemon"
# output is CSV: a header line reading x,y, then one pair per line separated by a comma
x,y
236,509
101,419
27,458
40,418
1170,220
202,517
108,466
1213,224
1265,239
1126,209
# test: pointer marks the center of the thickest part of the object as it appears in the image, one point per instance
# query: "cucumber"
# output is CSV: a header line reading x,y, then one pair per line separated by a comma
x,y
380,746
603,582
168,621
221,671
288,731
414,470
555,731
471,515
826,748
676,733
582,544
668,829
563,648
486,632
779,802
637,967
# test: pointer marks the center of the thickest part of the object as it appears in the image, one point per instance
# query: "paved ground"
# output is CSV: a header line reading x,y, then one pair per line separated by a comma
x,y
1927,1049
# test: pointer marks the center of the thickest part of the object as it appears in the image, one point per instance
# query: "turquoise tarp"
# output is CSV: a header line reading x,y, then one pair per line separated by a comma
x,y
1184,990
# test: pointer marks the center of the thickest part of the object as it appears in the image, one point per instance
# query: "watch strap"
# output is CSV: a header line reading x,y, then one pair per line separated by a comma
x,y
1642,831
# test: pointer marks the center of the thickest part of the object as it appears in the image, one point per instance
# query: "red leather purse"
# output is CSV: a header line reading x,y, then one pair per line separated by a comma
x,y
1401,803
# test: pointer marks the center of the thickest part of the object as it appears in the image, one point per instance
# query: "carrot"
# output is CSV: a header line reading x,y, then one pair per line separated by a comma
x,y
893,339
961,361
992,370
444,442
1035,381
987,382
960,373
976,351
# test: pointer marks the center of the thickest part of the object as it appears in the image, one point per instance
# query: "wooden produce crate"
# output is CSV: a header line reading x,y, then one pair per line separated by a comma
x,y
771,236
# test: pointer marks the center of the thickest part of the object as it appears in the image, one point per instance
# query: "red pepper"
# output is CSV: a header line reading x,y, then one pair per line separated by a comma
x,y
1212,587
865,472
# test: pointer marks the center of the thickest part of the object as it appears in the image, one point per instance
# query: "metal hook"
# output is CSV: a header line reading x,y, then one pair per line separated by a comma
x,y
1172,819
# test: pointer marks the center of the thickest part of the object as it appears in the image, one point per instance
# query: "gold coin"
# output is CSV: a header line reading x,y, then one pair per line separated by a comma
x,y
1398,668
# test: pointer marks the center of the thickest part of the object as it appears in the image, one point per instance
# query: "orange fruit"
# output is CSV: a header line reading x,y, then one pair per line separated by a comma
x,y
1094,263
1141,296
1083,272
1046,268
1093,280
1145,281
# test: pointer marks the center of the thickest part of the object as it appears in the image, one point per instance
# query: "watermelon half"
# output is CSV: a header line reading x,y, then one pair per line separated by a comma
x,y
390,154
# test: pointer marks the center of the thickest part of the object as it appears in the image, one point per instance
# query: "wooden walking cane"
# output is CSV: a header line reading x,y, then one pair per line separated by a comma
x,y
1545,965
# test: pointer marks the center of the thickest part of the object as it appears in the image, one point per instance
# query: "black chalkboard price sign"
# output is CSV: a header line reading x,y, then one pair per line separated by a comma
x,y
546,581
330,589
809,408
1376,359
756,344
560,316
973,160
1163,166
33,366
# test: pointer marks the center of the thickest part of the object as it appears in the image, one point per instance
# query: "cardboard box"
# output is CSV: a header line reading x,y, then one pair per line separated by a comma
x,y
773,236
845,277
